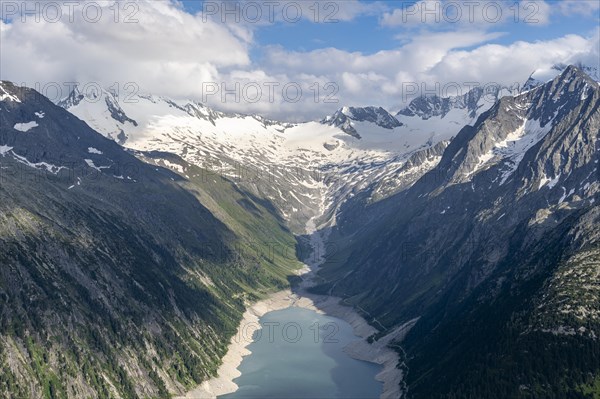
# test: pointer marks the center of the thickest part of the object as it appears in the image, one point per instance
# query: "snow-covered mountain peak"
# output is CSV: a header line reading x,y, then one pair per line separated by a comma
x,y
122,118
9,92
551,101
472,103
532,121
346,117
351,150
236,143
584,72
542,76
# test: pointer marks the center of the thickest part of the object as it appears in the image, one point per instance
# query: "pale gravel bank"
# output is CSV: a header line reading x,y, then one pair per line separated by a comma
x,y
378,352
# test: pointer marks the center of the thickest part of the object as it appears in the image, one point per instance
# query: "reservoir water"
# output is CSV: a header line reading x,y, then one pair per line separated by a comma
x,y
298,353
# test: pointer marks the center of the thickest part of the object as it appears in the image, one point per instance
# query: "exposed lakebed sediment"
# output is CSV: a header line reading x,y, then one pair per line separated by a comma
x,y
378,352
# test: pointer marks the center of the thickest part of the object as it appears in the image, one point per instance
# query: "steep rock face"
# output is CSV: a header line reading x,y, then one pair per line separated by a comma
x,y
345,117
540,77
427,107
516,124
478,177
472,104
416,166
119,278
475,242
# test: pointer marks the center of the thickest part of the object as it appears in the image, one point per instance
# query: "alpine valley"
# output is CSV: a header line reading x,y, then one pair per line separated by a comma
x,y
136,231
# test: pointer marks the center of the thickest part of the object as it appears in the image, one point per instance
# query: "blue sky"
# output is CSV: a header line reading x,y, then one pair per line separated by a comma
x,y
365,33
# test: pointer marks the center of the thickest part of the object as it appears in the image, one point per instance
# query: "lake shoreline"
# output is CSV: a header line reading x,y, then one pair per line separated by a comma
x,y
379,352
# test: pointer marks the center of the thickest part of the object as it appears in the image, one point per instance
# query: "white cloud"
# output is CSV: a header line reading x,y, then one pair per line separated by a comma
x,y
509,64
436,62
167,50
170,52
352,82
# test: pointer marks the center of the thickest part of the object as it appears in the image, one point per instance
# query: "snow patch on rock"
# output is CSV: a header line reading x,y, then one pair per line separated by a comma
x,y
25,127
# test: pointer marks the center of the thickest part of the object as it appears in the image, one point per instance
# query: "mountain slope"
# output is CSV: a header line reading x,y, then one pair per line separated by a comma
x,y
439,115
316,165
480,242
120,278
457,209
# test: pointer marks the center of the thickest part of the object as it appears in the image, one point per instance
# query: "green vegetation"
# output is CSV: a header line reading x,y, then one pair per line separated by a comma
x,y
592,388
129,290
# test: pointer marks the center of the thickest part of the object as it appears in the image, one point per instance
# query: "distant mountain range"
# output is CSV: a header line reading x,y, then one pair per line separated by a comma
x,y
348,151
474,219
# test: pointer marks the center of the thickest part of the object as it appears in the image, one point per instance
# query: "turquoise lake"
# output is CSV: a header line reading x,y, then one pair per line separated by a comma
x,y
299,354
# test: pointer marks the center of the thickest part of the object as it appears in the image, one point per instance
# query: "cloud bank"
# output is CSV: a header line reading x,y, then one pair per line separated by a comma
x,y
167,51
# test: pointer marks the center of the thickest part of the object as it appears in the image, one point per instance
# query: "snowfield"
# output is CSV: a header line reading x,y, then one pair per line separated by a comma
x,y
314,163
25,127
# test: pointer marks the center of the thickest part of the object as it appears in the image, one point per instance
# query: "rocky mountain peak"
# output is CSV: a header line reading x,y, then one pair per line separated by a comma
x,y
504,135
540,77
345,117
472,103
10,92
